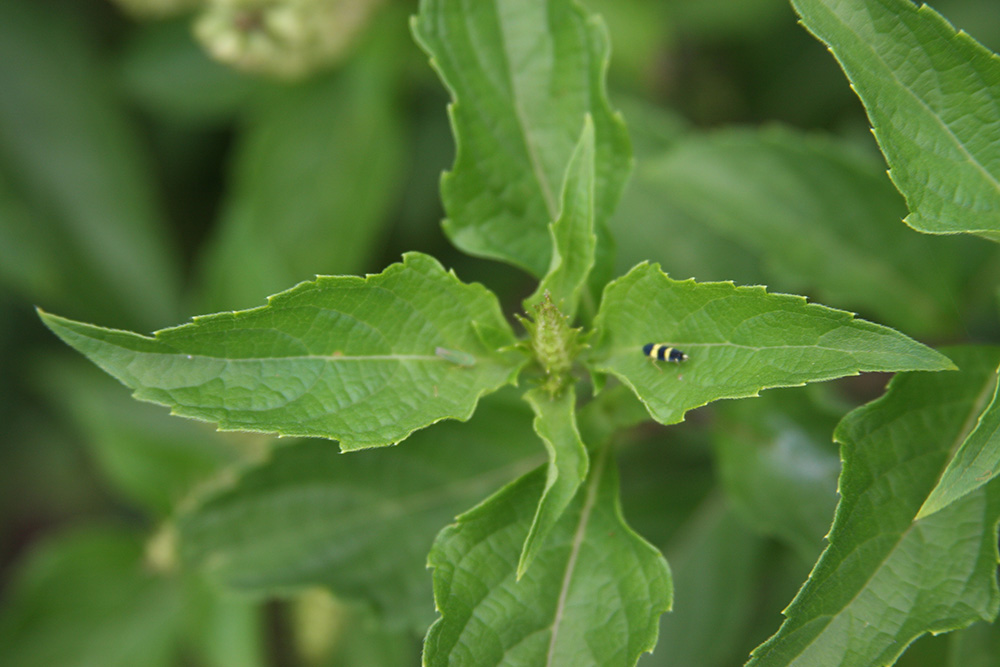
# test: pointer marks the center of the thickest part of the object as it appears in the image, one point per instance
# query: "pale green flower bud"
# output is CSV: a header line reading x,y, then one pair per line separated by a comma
x,y
287,38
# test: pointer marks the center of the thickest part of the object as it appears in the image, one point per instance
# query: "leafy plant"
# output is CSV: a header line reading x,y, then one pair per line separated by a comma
x,y
523,513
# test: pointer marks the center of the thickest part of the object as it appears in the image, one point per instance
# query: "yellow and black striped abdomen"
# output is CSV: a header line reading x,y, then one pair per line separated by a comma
x,y
663,352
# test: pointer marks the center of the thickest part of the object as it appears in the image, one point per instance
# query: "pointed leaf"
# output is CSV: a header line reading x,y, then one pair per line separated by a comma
x,y
887,577
932,95
362,524
976,462
573,238
592,596
340,357
739,340
555,423
522,75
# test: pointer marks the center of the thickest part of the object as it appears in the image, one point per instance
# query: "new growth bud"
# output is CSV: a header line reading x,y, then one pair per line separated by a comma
x,y
553,342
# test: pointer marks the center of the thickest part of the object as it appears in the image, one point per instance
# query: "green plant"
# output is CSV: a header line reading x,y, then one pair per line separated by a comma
x,y
544,568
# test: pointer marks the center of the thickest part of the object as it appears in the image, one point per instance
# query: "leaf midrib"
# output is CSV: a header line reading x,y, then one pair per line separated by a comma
x,y
828,618
920,102
577,544
534,160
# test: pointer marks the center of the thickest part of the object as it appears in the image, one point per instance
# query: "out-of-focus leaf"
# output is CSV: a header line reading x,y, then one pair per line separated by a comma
x,y
314,179
666,475
975,646
932,95
165,71
592,596
715,563
887,577
573,239
522,75
150,457
820,218
222,628
360,524
354,359
779,467
332,633
721,18
555,423
70,153
740,340
84,599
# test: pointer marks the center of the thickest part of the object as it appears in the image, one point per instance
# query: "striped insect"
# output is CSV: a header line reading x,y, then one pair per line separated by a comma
x,y
661,352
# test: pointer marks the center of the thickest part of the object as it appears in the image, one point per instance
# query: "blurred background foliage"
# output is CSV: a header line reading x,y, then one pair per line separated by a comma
x,y
165,158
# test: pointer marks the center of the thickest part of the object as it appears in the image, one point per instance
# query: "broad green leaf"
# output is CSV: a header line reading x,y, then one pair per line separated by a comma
x,y
592,596
778,465
362,523
976,461
316,173
71,154
715,562
573,238
555,423
931,94
887,577
522,76
818,217
340,357
84,599
739,340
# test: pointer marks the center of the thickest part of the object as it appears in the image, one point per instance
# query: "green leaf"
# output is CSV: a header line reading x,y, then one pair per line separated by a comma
x,y
316,174
522,75
734,193
362,523
70,153
931,94
555,423
573,238
592,596
977,459
887,577
740,340
340,357
779,467
84,599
